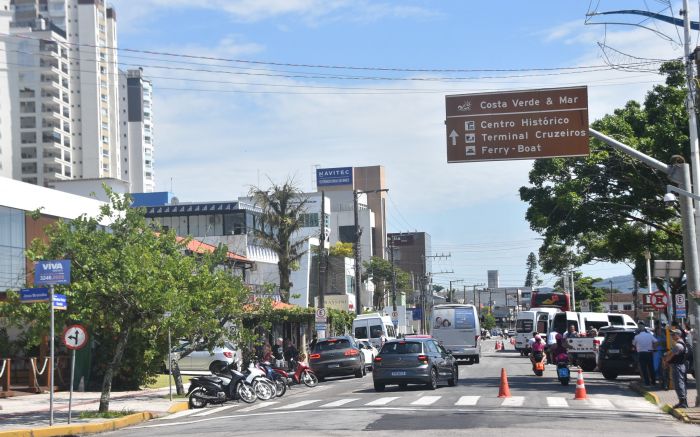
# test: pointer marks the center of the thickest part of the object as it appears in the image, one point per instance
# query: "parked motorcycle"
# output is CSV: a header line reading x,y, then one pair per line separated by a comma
x,y
302,374
279,380
228,384
264,388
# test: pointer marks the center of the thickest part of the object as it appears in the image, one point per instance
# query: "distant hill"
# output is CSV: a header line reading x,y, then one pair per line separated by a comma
x,y
624,284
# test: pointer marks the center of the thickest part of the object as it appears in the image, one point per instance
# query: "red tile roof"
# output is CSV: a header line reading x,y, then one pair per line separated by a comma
x,y
201,247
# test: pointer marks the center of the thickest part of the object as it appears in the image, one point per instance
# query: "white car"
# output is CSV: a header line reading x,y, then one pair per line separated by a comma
x,y
368,352
202,360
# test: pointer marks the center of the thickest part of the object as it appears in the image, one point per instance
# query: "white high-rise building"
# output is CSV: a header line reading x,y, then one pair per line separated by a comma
x,y
7,82
67,73
137,131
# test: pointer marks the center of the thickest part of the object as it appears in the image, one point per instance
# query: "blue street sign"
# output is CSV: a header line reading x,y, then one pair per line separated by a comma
x,y
52,272
30,295
320,326
681,313
60,302
333,176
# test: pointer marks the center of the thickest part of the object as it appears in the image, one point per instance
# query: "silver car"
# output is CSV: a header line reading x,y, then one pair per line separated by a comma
x,y
201,359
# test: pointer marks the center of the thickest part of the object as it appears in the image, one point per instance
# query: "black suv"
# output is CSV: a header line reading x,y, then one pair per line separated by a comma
x,y
337,356
617,355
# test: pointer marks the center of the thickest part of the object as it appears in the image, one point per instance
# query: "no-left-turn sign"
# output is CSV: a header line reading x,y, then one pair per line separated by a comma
x,y
75,337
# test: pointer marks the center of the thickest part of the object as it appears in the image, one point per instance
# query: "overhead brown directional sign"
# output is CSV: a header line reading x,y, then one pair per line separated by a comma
x,y
507,125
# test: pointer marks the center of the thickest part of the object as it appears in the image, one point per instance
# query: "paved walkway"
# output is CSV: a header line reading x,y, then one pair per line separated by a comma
x,y
668,398
32,411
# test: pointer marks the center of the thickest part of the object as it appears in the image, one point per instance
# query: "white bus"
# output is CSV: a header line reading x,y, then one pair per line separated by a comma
x,y
457,328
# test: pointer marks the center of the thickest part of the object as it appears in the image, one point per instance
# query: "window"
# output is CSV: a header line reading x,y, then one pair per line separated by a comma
x,y
613,307
26,107
346,234
403,347
361,332
627,307
309,220
28,137
376,331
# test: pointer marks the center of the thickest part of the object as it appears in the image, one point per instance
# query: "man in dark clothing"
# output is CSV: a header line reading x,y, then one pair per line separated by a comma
x,y
676,359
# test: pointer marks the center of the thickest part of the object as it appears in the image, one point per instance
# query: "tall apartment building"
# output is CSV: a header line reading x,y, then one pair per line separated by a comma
x,y
7,82
68,57
137,131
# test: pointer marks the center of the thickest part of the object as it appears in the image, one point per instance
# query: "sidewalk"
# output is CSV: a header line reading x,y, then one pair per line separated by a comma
x,y
667,398
32,411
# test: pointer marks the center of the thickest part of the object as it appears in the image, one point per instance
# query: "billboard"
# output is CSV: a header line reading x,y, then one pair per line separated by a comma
x,y
326,177
508,125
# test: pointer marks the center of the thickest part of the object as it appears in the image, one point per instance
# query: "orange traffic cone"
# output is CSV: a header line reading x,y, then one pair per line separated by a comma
x,y
512,342
504,390
503,345
498,346
580,387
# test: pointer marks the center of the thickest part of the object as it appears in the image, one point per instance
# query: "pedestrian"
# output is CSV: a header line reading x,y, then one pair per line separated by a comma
x,y
659,352
314,340
278,352
645,343
291,354
675,359
688,340
571,333
267,352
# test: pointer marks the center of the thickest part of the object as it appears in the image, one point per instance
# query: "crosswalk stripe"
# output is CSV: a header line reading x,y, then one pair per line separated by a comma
x,y
557,402
214,410
515,401
381,401
601,403
258,406
179,414
467,400
298,404
338,403
426,400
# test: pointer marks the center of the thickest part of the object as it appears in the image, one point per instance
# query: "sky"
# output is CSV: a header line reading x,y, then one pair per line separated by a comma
x,y
248,91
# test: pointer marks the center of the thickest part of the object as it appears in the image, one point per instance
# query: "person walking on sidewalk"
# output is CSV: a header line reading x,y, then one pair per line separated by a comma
x,y
645,343
676,360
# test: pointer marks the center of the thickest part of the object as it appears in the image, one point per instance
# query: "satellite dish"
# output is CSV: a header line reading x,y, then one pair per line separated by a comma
x,y
174,201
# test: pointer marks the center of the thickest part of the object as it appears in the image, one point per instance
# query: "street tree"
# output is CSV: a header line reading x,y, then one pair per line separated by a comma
x,y
380,272
607,206
283,208
341,249
531,279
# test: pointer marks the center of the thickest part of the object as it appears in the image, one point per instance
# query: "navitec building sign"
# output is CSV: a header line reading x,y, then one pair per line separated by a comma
x,y
509,125
333,176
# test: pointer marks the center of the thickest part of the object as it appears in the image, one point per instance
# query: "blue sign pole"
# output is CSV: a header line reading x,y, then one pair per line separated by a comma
x,y
51,338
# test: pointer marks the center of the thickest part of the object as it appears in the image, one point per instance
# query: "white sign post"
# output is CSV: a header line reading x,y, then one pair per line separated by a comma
x,y
74,337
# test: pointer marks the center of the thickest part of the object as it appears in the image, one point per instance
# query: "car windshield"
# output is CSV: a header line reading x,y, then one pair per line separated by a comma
x,y
402,347
329,345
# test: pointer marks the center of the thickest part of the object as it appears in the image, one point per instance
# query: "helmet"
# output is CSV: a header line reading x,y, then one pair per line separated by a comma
x,y
559,337
538,338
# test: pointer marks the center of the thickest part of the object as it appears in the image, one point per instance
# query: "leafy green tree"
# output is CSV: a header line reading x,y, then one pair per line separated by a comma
x,y
531,279
123,281
489,321
380,272
584,290
607,206
283,207
341,249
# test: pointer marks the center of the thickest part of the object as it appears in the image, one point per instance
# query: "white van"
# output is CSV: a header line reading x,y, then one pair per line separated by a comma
x,y
458,329
373,327
536,320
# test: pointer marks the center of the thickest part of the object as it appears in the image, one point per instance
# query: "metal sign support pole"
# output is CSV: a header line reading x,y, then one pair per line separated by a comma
x,y
72,375
170,367
51,376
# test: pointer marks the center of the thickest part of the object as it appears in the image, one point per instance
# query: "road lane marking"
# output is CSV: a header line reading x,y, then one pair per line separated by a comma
x,y
601,403
467,400
557,402
179,414
298,404
426,400
214,410
258,406
515,401
339,403
382,401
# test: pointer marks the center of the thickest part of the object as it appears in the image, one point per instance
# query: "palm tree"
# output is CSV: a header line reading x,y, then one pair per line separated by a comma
x,y
282,207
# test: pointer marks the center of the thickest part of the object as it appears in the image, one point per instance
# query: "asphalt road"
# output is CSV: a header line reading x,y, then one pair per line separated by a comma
x,y
349,406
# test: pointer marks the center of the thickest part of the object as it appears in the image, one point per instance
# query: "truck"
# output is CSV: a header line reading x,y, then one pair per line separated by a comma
x,y
583,350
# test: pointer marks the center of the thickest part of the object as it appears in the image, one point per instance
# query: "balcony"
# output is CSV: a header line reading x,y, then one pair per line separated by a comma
x,y
28,153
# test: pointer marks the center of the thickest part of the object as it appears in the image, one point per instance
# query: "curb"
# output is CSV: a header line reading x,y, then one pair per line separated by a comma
x,y
177,407
678,413
83,428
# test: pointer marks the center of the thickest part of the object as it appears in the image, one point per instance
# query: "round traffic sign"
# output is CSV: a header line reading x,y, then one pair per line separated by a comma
x,y
321,313
75,337
659,300
394,315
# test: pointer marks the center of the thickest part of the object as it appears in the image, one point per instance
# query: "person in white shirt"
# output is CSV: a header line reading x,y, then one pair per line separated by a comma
x,y
645,343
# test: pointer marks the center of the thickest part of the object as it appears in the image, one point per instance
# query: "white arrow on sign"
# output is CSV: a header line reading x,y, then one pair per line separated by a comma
x,y
75,336
454,136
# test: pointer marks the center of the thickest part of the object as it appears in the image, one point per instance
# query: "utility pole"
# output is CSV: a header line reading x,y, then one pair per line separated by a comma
x,y
393,275
573,292
635,298
611,296
358,257
451,292
322,253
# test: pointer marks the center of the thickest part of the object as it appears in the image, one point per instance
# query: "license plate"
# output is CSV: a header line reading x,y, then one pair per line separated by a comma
x,y
563,372
334,365
398,373
614,351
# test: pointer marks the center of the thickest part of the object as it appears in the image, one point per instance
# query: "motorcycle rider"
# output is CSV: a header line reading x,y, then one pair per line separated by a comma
x,y
537,348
